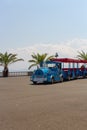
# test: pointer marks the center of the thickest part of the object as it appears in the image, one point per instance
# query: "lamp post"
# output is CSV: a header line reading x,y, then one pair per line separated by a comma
x,y
56,55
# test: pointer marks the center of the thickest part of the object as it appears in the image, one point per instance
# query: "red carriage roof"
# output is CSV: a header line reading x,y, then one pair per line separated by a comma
x,y
69,60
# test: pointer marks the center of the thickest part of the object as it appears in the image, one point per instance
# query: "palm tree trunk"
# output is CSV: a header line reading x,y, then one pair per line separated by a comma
x,y
5,72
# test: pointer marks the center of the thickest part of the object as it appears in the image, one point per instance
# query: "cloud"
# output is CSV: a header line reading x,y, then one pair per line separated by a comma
x,y
64,49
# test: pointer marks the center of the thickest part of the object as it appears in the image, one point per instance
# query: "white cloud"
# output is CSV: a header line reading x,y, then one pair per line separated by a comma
x,y
64,49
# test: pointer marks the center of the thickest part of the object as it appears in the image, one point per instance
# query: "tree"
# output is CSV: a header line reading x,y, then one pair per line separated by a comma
x,y
7,59
37,59
82,55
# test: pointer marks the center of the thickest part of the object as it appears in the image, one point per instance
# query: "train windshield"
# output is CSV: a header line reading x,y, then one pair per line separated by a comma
x,y
49,65
52,65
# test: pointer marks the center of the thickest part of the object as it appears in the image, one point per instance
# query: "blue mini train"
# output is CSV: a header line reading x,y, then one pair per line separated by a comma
x,y
58,70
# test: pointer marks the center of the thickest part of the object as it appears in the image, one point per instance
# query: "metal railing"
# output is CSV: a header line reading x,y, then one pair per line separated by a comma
x,y
15,74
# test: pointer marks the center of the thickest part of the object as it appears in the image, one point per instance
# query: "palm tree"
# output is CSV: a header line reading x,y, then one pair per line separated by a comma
x,y
82,55
38,59
7,59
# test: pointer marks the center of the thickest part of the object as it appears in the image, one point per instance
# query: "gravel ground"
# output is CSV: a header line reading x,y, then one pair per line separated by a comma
x,y
60,106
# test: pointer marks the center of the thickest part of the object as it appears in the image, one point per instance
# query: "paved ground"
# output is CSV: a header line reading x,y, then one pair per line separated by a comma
x,y
61,106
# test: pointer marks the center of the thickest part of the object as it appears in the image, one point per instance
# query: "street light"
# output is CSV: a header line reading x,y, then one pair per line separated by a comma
x,y
56,55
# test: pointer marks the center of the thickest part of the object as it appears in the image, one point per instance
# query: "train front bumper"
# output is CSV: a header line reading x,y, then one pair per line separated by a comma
x,y
38,79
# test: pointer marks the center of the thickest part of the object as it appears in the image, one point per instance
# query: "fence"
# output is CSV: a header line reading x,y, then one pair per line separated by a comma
x,y
15,74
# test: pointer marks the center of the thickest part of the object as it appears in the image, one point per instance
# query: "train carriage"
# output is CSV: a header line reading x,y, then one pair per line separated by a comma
x,y
75,68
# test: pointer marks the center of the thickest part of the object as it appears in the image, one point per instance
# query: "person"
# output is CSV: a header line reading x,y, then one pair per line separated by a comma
x,y
82,67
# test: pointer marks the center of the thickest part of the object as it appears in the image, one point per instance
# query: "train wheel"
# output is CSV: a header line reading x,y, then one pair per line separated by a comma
x,y
52,80
61,79
69,78
84,76
34,82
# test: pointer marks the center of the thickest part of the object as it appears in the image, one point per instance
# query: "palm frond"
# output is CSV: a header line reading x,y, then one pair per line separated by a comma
x,y
37,59
32,66
31,60
8,58
82,55
49,58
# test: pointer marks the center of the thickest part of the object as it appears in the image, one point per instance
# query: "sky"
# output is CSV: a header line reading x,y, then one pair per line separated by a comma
x,y
50,26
